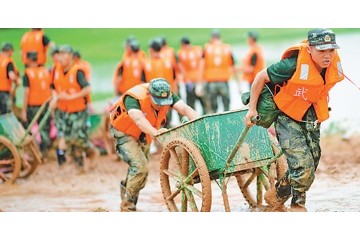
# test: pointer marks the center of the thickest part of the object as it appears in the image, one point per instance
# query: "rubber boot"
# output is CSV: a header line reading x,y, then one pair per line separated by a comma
x,y
128,204
122,190
278,195
298,202
60,157
80,164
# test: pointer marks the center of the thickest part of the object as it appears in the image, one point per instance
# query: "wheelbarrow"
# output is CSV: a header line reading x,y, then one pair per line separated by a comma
x,y
19,153
217,147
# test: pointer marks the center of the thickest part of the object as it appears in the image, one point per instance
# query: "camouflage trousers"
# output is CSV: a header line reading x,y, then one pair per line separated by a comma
x,y
300,143
76,134
191,97
5,103
59,118
136,155
45,130
215,90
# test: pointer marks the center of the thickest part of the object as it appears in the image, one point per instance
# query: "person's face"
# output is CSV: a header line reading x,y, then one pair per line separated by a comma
x,y
65,58
321,58
56,58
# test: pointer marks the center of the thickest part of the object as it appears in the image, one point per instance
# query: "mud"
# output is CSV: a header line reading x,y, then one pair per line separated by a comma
x,y
50,188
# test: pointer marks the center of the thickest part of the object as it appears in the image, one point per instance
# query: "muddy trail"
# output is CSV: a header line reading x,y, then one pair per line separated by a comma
x,y
54,189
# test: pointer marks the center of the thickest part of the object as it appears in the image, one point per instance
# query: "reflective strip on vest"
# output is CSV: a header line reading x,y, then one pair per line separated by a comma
x,y
304,72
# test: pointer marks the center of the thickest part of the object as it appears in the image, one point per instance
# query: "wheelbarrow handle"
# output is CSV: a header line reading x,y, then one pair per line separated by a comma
x,y
255,119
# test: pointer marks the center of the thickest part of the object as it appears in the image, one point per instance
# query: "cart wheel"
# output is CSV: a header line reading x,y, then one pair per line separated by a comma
x,y
184,178
255,182
10,162
30,158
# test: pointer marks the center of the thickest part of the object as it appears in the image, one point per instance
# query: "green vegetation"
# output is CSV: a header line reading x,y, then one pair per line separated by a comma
x,y
103,47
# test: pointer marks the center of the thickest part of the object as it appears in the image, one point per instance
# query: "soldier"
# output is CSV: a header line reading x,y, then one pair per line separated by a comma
x,y
35,40
9,78
189,64
128,72
135,119
83,65
253,62
37,90
73,89
305,75
157,67
217,68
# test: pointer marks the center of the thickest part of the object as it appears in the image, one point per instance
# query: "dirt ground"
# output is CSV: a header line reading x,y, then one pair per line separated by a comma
x,y
53,189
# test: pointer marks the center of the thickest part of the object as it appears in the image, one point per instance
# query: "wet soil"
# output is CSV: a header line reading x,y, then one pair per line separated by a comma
x,y
54,189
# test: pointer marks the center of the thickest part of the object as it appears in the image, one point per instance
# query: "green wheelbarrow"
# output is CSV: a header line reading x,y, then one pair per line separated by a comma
x,y
217,147
19,153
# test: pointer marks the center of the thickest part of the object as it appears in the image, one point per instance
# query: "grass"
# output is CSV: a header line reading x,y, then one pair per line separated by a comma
x,y
104,47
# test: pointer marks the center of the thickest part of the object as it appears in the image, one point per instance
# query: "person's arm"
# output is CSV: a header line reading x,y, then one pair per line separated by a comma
x,y
260,79
185,110
25,104
140,120
26,97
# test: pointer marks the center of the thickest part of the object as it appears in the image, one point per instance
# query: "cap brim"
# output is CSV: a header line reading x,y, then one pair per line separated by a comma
x,y
327,46
162,101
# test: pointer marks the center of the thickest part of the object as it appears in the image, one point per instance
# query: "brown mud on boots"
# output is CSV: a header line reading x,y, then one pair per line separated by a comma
x,y
298,202
277,196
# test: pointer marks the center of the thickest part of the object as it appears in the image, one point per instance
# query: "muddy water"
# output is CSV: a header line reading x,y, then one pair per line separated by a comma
x,y
336,187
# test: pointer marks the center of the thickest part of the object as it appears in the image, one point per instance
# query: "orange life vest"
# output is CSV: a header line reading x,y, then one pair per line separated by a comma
x,y
5,82
160,68
86,68
121,121
260,62
169,53
32,41
60,85
190,59
78,104
131,75
218,62
306,87
39,85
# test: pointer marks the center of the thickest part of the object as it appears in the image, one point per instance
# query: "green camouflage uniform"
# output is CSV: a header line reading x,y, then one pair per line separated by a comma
x,y
5,102
135,153
215,89
45,130
300,141
77,135
59,118
191,96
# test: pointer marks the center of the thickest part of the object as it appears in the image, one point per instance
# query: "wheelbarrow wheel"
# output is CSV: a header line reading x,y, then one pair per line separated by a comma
x,y
10,163
30,159
184,178
255,182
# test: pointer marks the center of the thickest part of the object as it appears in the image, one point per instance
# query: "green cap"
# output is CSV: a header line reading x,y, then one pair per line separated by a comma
x,y
322,39
7,47
160,92
54,50
66,48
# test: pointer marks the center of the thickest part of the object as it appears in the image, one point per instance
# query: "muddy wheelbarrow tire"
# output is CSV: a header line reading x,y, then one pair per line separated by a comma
x,y
184,190
11,165
255,182
30,159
